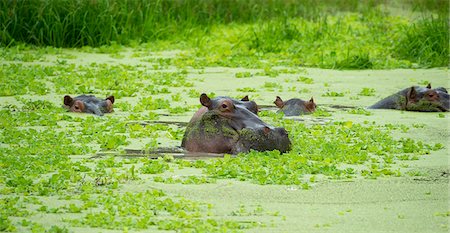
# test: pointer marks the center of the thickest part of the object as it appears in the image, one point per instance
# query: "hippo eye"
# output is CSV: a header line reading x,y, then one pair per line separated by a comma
x,y
76,107
224,106
432,96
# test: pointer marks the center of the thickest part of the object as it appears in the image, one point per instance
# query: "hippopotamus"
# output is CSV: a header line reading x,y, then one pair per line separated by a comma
x,y
89,104
415,98
295,106
226,125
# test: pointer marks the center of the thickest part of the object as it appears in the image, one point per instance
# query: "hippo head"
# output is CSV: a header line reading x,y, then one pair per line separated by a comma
x,y
242,113
244,102
227,125
295,107
89,104
427,99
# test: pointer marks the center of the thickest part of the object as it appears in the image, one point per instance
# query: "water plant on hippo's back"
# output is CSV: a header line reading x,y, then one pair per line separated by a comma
x,y
295,106
415,98
89,104
226,125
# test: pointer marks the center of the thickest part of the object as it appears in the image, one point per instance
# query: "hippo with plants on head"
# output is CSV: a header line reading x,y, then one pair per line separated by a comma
x,y
415,98
226,125
89,104
295,106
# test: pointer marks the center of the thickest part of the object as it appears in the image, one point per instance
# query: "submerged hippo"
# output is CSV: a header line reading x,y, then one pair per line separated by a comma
x,y
295,107
415,98
89,104
226,125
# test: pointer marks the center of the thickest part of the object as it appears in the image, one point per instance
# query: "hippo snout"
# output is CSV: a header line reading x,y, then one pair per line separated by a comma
x,y
281,138
262,139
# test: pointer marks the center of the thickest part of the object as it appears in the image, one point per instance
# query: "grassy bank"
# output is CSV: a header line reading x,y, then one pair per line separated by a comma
x,y
329,34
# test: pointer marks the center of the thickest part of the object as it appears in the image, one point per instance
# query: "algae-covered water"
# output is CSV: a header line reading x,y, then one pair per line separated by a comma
x,y
415,200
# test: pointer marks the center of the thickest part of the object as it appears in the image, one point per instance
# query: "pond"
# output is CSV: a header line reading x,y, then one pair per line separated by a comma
x,y
350,168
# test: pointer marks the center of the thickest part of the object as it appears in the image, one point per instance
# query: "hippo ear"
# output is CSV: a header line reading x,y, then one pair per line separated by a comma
x,y
429,86
310,105
205,100
411,95
279,102
68,101
245,98
110,98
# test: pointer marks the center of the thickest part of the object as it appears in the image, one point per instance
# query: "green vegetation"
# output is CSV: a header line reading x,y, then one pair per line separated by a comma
x,y
333,94
305,80
328,33
36,163
368,144
367,92
41,139
79,166
425,43
360,111
243,75
151,209
321,113
184,180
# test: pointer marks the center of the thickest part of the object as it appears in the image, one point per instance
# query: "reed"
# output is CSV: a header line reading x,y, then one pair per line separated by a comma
x,y
68,23
300,29
426,42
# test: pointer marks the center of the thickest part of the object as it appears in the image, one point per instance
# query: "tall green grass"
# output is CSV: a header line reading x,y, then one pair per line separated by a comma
x,y
425,42
69,23
347,41
439,6
351,34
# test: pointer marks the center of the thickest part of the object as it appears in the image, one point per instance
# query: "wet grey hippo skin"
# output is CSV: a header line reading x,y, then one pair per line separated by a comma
x,y
230,126
295,106
415,98
89,104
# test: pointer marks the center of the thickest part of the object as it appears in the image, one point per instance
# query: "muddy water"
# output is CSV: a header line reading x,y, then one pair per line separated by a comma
x,y
403,204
